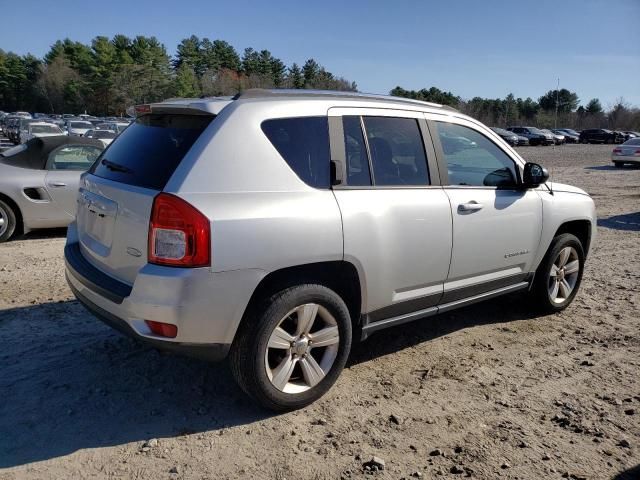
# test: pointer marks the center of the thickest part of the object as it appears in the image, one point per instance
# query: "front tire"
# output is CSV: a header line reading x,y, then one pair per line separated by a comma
x,y
559,275
8,222
291,349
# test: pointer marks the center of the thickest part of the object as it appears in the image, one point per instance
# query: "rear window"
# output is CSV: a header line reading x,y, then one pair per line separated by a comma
x,y
303,142
148,152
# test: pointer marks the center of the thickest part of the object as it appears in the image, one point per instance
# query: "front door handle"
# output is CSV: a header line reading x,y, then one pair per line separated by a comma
x,y
471,206
57,184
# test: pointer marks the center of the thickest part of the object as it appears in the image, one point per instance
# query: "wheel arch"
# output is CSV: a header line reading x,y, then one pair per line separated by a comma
x,y
581,229
340,276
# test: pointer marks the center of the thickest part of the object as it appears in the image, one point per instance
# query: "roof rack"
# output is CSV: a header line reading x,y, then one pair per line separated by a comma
x,y
277,92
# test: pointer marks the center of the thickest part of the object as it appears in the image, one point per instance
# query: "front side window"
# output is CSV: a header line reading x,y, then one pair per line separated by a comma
x,y
397,151
472,159
73,157
303,142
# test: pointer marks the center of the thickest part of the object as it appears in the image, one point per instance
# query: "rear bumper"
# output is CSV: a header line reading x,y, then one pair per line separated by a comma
x,y
206,306
212,352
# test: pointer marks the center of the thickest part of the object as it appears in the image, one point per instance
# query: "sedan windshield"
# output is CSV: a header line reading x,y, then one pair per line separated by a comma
x,y
81,125
633,141
45,129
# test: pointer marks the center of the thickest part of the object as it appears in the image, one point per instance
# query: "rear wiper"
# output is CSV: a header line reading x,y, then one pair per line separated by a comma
x,y
115,166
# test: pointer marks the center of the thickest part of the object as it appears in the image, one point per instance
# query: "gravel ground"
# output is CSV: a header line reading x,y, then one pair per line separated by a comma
x,y
490,391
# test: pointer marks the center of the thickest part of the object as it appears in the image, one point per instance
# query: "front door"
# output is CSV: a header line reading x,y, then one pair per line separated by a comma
x,y
496,224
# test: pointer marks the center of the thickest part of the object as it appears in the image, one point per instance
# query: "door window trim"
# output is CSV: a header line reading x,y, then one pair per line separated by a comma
x,y
339,154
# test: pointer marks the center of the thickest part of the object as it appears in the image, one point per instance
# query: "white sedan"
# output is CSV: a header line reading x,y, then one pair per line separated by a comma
x,y
105,136
39,130
628,152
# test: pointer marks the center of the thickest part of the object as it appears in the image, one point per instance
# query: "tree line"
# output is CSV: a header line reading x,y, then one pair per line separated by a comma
x,y
109,75
502,112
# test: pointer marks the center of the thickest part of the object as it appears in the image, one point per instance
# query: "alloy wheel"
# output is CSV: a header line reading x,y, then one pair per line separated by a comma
x,y
302,348
563,275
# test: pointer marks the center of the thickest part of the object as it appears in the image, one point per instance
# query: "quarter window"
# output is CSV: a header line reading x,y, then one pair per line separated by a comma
x,y
473,159
303,142
397,151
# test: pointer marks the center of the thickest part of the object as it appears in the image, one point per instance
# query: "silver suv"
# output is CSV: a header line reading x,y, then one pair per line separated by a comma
x,y
277,227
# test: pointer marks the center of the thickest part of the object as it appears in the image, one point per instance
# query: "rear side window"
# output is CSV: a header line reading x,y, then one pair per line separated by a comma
x,y
303,142
397,151
148,152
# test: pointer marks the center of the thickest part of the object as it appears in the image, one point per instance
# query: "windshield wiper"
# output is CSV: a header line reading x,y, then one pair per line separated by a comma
x,y
116,167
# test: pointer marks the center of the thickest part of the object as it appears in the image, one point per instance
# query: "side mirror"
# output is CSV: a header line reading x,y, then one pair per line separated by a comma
x,y
534,175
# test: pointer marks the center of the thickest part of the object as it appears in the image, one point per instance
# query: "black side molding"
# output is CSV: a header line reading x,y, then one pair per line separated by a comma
x,y
92,278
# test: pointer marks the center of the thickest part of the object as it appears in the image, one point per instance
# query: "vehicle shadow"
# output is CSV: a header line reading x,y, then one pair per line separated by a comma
x,y
613,167
631,474
508,308
43,234
629,222
69,383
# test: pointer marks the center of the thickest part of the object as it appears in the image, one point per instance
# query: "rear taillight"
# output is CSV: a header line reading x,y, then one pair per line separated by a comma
x,y
179,234
617,150
637,154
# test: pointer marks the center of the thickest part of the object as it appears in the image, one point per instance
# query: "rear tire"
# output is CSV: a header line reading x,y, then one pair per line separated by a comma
x,y
274,358
618,164
557,279
8,222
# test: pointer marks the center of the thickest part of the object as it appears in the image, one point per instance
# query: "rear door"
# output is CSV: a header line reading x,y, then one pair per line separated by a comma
x,y
396,216
64,166
116,196
496,225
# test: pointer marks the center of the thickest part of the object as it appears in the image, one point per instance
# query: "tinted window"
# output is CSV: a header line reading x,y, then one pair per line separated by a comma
x,y
356,150
304,144
73,157
148,152
397,151
473,159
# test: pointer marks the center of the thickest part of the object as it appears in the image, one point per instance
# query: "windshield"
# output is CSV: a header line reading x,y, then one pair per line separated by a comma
x,y
103,134
81,125
535,130
633,141
45,129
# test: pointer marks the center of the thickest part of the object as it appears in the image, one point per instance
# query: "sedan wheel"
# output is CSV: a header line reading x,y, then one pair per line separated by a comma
x,y
7,221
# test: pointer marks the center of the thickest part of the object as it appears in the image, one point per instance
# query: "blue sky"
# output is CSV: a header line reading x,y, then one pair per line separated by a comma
x,y
472,48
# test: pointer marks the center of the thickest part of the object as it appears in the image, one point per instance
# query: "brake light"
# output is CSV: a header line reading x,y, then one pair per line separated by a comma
x,y
637,154
617,150
162,329
142,109
179,234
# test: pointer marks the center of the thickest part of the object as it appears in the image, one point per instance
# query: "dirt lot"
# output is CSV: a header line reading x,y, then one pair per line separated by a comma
x,y
489,392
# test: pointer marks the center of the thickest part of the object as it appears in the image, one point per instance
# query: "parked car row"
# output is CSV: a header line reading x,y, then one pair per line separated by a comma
x,y
20,127
523,135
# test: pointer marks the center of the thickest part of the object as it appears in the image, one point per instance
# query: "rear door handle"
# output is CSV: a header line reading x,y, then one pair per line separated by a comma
x,y
57,184
471,206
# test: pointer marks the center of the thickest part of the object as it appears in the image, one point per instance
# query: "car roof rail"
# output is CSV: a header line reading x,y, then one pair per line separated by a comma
x,y
305,93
